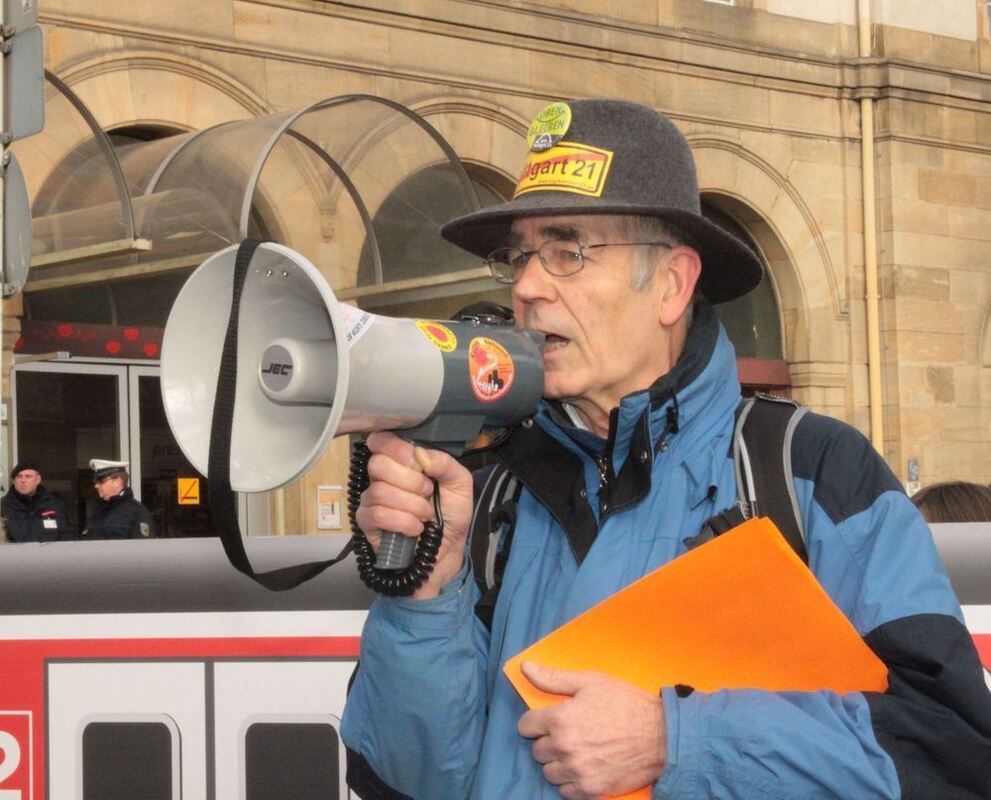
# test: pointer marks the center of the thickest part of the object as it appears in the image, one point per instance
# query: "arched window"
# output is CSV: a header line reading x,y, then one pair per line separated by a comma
x,y
410,250
407,222
753,321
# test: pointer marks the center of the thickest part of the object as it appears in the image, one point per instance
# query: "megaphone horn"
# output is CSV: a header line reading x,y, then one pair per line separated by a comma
x,y
310,368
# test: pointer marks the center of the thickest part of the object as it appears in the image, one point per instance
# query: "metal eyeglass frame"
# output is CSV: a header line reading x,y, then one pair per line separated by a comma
x,y
579,262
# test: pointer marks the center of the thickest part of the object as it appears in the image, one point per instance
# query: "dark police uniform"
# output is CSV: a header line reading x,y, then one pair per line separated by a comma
x,y
40,517
120,517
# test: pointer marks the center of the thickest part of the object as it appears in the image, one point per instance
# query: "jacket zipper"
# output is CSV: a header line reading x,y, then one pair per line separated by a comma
x,y
602,462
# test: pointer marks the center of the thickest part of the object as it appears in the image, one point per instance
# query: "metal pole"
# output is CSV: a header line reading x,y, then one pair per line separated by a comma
x,y
4,406
871,282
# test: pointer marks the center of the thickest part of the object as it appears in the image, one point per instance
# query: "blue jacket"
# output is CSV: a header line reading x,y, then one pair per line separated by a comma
x,y
431,716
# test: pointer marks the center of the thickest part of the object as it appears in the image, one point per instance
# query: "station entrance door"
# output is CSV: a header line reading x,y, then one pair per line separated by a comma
x,y
66,413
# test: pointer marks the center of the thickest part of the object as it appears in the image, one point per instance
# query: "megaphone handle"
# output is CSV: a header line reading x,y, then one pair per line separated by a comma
x,y
395,581
395,551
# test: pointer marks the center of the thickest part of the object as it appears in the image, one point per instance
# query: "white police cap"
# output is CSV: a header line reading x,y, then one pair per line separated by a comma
x,y
104,469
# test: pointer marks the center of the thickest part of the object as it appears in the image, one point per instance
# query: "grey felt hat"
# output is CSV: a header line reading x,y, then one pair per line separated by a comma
x,y
644,166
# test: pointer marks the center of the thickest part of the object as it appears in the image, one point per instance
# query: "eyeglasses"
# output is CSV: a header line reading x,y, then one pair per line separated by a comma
x,y
560,257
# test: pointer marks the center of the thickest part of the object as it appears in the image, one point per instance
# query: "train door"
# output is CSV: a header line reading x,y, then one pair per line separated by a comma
x,y
278,729
120,730
64,415
198,729
67,413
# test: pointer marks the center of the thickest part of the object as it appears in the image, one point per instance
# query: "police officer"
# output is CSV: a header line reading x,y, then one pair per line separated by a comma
x,y
31,512
118,514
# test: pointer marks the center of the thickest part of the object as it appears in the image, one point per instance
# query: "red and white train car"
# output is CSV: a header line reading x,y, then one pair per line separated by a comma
x,y
153,670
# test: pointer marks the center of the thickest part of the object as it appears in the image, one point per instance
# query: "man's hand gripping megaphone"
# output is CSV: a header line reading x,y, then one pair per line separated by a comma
x,y
399,500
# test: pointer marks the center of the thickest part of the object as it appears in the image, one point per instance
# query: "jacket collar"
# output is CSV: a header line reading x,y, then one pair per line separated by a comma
x,y
678,412
126,494
704,372
29,499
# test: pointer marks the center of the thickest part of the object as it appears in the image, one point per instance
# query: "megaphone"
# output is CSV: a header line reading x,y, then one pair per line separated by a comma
x,y
310,368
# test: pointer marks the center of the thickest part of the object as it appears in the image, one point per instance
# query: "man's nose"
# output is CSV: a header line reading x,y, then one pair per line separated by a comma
x,y
533,280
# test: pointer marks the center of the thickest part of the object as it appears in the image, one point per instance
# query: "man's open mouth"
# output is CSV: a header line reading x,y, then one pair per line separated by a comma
x,y
554,342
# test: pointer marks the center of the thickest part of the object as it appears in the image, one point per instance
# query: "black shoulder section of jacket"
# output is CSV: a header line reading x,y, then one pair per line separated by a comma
x,y
361,778
935,719
120,517
847,471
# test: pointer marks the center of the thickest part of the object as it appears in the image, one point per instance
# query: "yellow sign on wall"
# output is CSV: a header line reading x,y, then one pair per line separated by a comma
x,y
189,491
329,508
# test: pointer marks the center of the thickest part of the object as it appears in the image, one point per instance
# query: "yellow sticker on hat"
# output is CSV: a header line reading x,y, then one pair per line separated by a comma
x,y
567,167
550,125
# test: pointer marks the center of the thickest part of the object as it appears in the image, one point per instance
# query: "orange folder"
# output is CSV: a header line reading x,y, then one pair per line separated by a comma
x,y
741,611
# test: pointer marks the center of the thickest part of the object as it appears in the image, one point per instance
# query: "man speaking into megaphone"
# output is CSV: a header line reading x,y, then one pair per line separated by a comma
x,y
629,455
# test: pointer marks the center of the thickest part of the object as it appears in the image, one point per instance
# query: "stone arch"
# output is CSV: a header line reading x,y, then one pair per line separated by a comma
x,y
139,88
480,132
784,227
154,88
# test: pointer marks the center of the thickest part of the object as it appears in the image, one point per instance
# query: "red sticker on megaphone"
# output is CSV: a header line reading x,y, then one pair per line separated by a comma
x,y
440,336
491,369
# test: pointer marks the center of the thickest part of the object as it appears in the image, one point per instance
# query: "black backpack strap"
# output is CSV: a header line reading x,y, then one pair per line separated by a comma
x,y
762,455
491,534
765,481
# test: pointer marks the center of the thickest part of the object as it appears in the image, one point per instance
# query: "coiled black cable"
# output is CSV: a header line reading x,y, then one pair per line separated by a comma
x,y
390,582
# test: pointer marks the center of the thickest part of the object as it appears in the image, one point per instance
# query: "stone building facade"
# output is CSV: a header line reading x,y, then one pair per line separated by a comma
x,y
782,101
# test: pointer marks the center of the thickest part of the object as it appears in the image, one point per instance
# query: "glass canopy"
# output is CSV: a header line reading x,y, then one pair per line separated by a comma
x,y
358,184
322,180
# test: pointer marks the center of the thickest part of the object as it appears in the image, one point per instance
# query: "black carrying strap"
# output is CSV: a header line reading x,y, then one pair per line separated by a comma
x,y
492,526
222,499
762,454
494,517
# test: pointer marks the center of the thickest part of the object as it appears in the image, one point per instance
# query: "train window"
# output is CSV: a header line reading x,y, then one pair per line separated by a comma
x,y
291,759
125,759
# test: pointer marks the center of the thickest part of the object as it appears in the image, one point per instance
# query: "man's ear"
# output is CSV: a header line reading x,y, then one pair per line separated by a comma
x,y
680,273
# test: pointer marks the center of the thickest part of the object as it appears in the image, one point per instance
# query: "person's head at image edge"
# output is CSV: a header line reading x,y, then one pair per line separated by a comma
x,y
607,250
954,501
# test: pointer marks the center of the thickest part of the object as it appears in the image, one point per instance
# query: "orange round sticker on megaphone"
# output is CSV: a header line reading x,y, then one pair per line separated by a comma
x,y
491,369
440,336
